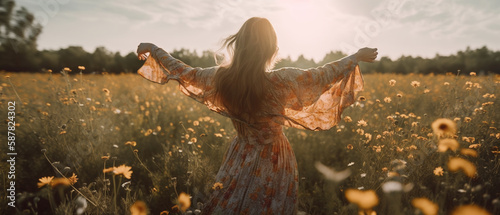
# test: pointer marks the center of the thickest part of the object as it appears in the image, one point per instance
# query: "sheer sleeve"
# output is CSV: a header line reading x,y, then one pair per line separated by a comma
x,y
315,98
160,67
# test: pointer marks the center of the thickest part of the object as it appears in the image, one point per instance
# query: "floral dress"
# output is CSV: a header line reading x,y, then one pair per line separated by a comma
x,y
259,170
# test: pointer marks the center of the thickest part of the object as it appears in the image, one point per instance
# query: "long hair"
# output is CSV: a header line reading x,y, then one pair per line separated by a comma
x,y
241,84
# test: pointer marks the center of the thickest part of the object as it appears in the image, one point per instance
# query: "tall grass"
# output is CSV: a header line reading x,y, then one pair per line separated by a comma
x,y
87,123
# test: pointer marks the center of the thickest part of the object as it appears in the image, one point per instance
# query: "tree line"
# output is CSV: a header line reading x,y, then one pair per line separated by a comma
x,y
19,32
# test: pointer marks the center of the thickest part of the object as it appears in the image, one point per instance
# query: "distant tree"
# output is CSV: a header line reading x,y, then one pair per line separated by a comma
x,y
131,63
302,62
48,60
18,35
118,64
332,56
101,60
72,57
284,62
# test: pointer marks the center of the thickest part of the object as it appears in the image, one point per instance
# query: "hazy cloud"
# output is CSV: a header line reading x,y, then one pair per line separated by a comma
x,y
311,27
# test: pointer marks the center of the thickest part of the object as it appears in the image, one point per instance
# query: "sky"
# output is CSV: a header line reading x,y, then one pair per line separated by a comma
x,y
312,28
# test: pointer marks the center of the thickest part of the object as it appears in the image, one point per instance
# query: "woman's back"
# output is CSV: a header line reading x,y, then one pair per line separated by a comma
x,y
259,171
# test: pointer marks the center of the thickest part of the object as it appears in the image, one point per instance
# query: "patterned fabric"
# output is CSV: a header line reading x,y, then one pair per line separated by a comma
x,y
259,171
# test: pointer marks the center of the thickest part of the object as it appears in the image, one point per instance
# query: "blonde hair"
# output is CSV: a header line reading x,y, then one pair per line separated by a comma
x,y
241,85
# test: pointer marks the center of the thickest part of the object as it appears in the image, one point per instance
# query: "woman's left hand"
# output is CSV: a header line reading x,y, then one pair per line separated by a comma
x,y
143,49
366,54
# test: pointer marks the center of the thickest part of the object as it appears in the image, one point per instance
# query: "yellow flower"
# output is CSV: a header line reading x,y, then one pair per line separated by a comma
x,y
454,164
73,179
361,98
469,209
387,100
132,143
472,74
184,201
105,157
360,131
364,199
467,119
362,123
495,150
444,127
415,84
66,69
218,186
347,119
425,205
392,82
469,152
446,144
474,146
175,209
44,181
350,147
108,170
438,171
59,182
392,174
123,170
81,67
139,208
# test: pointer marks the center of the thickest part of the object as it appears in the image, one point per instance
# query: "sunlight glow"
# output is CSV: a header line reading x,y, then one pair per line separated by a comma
x,y
312,28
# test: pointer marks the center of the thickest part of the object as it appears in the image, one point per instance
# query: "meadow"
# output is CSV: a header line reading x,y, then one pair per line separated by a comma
x,y
119,144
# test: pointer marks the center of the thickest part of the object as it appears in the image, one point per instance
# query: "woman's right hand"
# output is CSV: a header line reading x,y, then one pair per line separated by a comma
x,y
143,49
366,54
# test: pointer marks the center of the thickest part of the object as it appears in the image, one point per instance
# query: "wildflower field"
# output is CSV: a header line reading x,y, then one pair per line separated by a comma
x,y
119,144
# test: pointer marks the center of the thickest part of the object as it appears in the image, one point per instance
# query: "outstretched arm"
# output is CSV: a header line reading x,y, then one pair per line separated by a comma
x,y
319,79
366,54
160,67
315,98
143,49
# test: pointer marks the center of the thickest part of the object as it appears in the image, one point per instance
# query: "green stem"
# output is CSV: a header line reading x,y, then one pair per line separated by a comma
x,y
114,194
105,184
140,161
51,200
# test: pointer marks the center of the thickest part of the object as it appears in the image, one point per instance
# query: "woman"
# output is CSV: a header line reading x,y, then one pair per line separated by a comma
x,y
259,171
